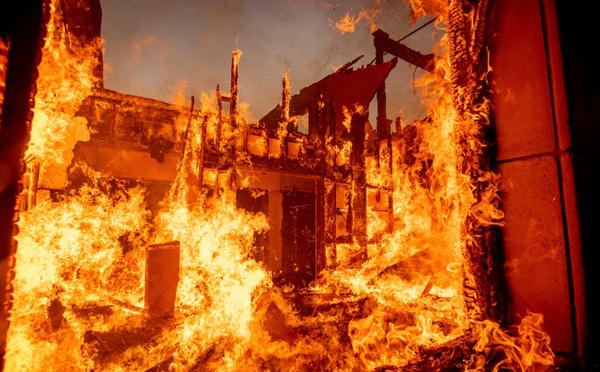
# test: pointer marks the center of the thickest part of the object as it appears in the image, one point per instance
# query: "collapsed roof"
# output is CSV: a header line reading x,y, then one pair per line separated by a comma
x,y
346,87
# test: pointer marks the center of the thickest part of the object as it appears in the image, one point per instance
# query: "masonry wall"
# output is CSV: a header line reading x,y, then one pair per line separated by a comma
x,y
541,238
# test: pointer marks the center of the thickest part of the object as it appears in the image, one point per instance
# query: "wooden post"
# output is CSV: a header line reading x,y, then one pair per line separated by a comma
x,y
329,122
233,92
201,156
321,189
285,118
358,201
233,96
220,100
383,127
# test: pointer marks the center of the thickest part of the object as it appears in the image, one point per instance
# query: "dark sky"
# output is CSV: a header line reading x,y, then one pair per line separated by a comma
x,y
154,47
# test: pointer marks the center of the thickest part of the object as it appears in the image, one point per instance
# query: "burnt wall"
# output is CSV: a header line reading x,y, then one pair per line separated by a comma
x,y
541,242
122,117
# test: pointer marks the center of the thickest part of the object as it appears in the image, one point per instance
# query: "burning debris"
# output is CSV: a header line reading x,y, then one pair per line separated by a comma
x,y
167,238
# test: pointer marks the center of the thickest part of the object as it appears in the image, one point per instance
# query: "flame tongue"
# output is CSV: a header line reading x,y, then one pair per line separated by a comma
x,y
394,296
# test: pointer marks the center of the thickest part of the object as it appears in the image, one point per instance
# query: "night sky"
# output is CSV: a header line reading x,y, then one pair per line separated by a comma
x,y
153,48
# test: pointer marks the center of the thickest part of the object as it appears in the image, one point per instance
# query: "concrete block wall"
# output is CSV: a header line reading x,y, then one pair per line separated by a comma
x,y
541,241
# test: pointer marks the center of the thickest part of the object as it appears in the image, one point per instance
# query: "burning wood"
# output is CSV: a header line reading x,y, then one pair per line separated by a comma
x,y
343,249
162,277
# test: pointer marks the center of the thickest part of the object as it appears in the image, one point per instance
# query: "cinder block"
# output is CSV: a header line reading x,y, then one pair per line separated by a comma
x,y
536,265
522,106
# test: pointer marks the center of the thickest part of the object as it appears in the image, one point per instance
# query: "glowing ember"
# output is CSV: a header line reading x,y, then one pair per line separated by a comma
x,y
393,292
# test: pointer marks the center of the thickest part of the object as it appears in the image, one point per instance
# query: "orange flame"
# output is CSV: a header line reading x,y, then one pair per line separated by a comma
x,y
348,22
79,297
529,350
56,127
345,24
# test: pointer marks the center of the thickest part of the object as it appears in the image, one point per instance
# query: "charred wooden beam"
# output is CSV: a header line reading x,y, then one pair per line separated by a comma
x,y
230,151
383,44
283,132
347,65
467,24
201,154
329,123
321,190
383,125
353,87
233,91
23,29
358,201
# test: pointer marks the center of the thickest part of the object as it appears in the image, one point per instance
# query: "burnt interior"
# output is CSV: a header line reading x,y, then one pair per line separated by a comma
x,y
291,186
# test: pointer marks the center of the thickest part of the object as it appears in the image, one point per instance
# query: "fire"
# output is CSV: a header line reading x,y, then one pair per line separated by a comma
x,y
393,296
56,127
66,275
348,22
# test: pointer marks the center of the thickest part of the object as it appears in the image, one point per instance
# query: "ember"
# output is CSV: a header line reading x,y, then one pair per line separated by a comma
x,y
158,237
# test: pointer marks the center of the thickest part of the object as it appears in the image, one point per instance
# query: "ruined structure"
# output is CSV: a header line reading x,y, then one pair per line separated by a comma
x,y
321,192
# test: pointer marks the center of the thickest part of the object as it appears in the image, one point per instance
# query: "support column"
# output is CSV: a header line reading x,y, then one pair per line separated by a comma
x,y
383,126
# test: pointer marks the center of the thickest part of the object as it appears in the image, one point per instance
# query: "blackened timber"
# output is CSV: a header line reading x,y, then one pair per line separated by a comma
x,y
358,202
468,62
201,154
25,26
347,65
383,126
321,218
329,183
356,87
220,100
234,86
390,187
285,119
384,44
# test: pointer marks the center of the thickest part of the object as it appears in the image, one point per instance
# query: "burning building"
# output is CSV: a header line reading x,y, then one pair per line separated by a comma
x,y
158,237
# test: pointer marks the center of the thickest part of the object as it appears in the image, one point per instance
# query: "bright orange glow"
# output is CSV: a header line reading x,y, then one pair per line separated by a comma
x,y
81,264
